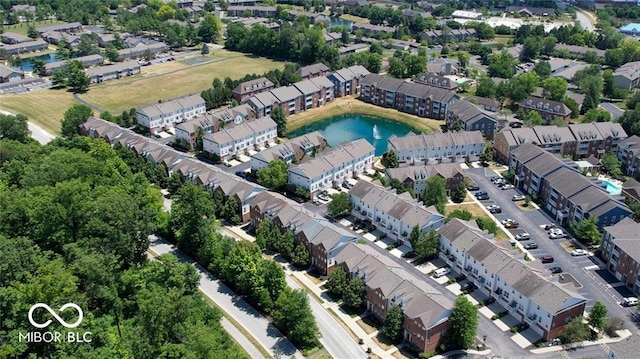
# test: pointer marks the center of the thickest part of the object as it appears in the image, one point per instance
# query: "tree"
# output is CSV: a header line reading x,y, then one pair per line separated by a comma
x,y
462,214
59,79
38,66
531,48
487,154
543,69
463,59
293,316
192,218
397,68
78,80
596,115
435,193
277,115
608,87
533,118
274,175
464,323
598,315
502,65
459,193
354,292
390,159
611,164
554,88
574,331
587,230
573,106
338,281
340,204
487,224
205,50
74,116
426,244
14,127
300,256
522,86
486,88
210,29
392,327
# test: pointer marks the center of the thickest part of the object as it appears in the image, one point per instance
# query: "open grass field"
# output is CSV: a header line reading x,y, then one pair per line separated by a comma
x,y
354,18
22,27
173,79
349,104
44,107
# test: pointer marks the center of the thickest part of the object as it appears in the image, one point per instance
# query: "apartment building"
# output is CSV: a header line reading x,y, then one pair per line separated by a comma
x,y
246,89
141,50
24,47
415,177
563,192
621,252
413,98
471,117
164,115
627,76
435,80
239,139
425,310
499,273
575,141
393,214
346,81
333,167
311,71
629,154
549,110
290,99
113,72
294,150
211,122
433,148
263,103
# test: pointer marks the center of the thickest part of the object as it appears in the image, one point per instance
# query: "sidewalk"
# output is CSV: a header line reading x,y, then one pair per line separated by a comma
x,y
623,334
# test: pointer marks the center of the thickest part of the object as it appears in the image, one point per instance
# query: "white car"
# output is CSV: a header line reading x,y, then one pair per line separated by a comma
x,y
441,272
508,220
523,236
629,302
518,197
579,252
507,186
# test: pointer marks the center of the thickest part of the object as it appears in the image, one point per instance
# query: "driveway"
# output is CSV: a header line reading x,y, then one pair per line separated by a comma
x,y
251,320
612,109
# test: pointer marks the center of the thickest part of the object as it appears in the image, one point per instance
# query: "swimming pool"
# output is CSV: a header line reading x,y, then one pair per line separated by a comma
x,y
612,188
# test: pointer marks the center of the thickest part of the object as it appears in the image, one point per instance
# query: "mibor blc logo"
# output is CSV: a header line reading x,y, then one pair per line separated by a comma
x,y
55,336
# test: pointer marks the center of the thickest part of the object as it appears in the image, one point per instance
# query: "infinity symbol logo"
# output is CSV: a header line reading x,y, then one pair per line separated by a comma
x,y
55,315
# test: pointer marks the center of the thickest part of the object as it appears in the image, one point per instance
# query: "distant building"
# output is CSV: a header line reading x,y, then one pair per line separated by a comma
x,y
71,28
311,71
111,72
627,76
250,88
165,115
415,177
632,29
241,139
25,47
434,148
436,80
11,38
549,110
471,117
528,11
8,74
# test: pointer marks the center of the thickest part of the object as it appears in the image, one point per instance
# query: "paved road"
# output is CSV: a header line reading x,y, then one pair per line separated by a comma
x,y
252,321
334,337
596,282
612,109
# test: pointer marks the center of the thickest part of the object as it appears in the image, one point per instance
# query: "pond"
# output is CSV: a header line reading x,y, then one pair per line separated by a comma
x,y
27,65
336,21
350,127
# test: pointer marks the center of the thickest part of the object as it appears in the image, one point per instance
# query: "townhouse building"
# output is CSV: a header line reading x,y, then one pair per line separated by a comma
x,y
415,177
549,110
372,30
290,99
263,103
11,38
621,252
257,11
8,74
413,98
71,28
435,80
240,139
327,93
488,104
628,154
433,148
87,61
141,50
346,50
347,80
333,167
627,76
311,71
211,122
113,72
425,311
294,150
470,117
312,96
246,89
393,214
563,192
501,274
24,47
165,115
579,141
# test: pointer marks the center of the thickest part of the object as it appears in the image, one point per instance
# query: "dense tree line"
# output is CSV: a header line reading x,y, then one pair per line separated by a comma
x,y
74,226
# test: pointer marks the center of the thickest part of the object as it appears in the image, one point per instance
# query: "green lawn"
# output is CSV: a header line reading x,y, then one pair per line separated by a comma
x,y
22,27
44,107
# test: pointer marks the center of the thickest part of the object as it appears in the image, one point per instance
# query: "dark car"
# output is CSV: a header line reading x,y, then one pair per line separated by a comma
x,y
480,193
468,287
495,178
555,270
473,187
241,174
547,258
515,124
550,226
531,245
483,197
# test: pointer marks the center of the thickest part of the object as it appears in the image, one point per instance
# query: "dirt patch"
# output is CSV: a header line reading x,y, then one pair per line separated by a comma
x,y
314,279
402,354
523,207
319,354
367,327
473,208
568,246
383,342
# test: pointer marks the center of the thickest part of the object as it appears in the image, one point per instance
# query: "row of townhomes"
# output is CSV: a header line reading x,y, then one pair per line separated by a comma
x,y
576,141
415,177
621,252
565,193
332,167
414,98
210,122
166,114
520,287
238,139
433,148
393,214
294,150
190,168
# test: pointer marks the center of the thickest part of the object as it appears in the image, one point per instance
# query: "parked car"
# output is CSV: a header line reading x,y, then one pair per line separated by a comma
x,y
579,252
473,187
523,236
480,193
507,186
629,302
518,197
495,178
483,197
516,124
346,185
241,174
555,270
531,245
440,272
550,226
468,287
494,208
557,235
547,258
511,225
505,221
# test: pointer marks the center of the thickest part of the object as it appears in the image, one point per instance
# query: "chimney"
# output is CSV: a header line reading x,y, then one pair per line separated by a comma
x,y
447,68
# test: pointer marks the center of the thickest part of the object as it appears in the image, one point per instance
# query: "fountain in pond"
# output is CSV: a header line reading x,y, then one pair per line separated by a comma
x,y
376,133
